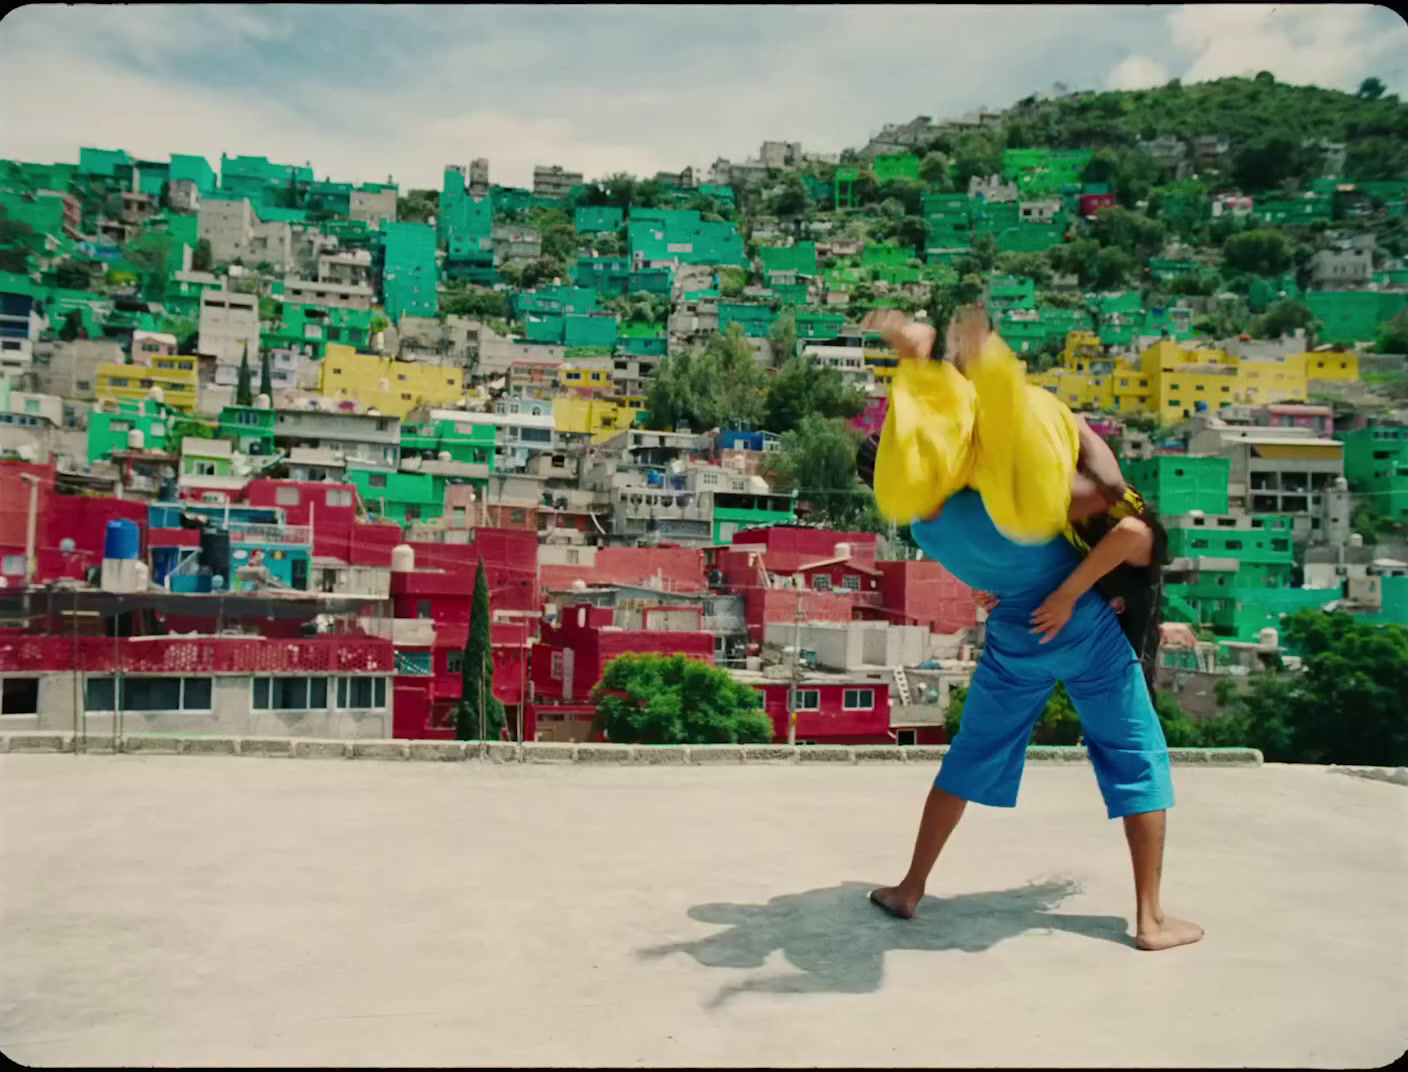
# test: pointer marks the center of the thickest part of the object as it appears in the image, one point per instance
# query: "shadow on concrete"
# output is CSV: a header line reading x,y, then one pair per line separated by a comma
x,y
838,940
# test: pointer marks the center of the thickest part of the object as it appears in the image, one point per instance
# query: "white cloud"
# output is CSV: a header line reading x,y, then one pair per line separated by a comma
x,y
363,91
1137,72
1333,45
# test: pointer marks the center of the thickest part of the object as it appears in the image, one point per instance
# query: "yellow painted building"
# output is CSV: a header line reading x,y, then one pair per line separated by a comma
x,y
1167,380
177,376
393,387
573,378
600,418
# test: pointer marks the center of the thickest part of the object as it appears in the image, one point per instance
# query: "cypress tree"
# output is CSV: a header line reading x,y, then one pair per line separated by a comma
x,y
479,716
266,377
244,392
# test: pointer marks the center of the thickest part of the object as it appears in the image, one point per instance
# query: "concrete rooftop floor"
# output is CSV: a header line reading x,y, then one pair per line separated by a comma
x,y
236,911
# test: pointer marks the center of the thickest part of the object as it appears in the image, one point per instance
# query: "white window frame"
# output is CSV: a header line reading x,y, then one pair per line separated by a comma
x,y
847,694
821,582
850,582
808,700
557,666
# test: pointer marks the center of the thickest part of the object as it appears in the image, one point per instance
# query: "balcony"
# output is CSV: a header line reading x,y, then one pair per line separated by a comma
x,y
296,535
198,655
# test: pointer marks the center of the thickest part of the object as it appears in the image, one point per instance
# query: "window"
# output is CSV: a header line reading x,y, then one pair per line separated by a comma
x,y
850,582
21,696
1198,545
286,496
557,666
412,512
1282,544
13,565
454,662
149,694
858,699
290,693
361,692
1233,545
822,582
339,498
808,700
376,480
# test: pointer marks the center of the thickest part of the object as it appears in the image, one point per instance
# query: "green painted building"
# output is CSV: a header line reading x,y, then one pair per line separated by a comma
x,y
251,429
401,495
1376,465
410,273
889,166
797,260
110,426
463,441
1354,315
572,329
1177,484
643,340
262,182
1044,172
1261,544
756,320
594,219
815,324
1011,292
680,234
551,299
734,511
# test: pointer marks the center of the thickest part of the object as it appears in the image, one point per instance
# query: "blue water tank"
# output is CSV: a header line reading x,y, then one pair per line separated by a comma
x,y
122,540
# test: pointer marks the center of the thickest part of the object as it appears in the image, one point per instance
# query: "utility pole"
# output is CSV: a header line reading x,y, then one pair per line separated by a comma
x,y
796,673
29,536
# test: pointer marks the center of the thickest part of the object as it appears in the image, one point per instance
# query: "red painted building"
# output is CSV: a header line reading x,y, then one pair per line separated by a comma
x,y
873,418
1090,204
571,657
676,569
830,710
924,593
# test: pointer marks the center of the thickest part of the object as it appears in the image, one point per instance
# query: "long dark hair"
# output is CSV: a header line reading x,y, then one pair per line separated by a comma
x,y
866,454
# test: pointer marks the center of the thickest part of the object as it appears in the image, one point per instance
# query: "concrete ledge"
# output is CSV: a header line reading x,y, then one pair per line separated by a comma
x,y
768,753
1392,775
878,753
706,754
204,746
444,751
158,745
548,751
825,753
605,753
380,749
317,748
660,754
700,755
266,746
500,751
39,741
924,753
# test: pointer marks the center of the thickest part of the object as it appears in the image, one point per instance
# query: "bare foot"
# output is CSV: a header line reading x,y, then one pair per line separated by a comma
x,y
1167,933
894,901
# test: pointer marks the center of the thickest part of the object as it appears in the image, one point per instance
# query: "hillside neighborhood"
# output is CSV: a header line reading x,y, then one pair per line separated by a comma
x,y
287,455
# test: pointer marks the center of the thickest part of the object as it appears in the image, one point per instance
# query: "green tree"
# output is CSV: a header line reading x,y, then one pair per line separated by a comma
x,y
1371,89
782,336
1113,267
266,376
14,259
1345,707
1284,318
559,241
934,170
1033,266
976,155
476,302
913,231
793,199
801,388
1393,336
73,275
72,326
1261,252
818,462
244,392
480,716
201,257
542,270
707,386
417,206
669,699
1131,231
1272,159
13,232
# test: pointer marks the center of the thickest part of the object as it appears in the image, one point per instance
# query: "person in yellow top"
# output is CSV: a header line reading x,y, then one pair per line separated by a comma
x,y
975,422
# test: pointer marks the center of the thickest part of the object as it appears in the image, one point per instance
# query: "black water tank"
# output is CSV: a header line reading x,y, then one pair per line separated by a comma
x,y
215,551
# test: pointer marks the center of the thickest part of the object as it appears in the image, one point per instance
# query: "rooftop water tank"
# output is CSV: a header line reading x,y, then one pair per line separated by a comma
x,y
155,394
66,545
1356,540
1269,639
843,550
261,401
403,558
136,439
122,539
444,456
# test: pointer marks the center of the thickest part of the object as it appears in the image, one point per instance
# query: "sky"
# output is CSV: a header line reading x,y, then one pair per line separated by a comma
x,y
363,91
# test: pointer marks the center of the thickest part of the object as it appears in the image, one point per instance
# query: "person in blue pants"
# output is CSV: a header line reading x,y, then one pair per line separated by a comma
x,y
1015,676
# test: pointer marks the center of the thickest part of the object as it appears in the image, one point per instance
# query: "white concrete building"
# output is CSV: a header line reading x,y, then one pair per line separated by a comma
x,y
229,228
346,266
229,326
551,180
372,206
332,295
